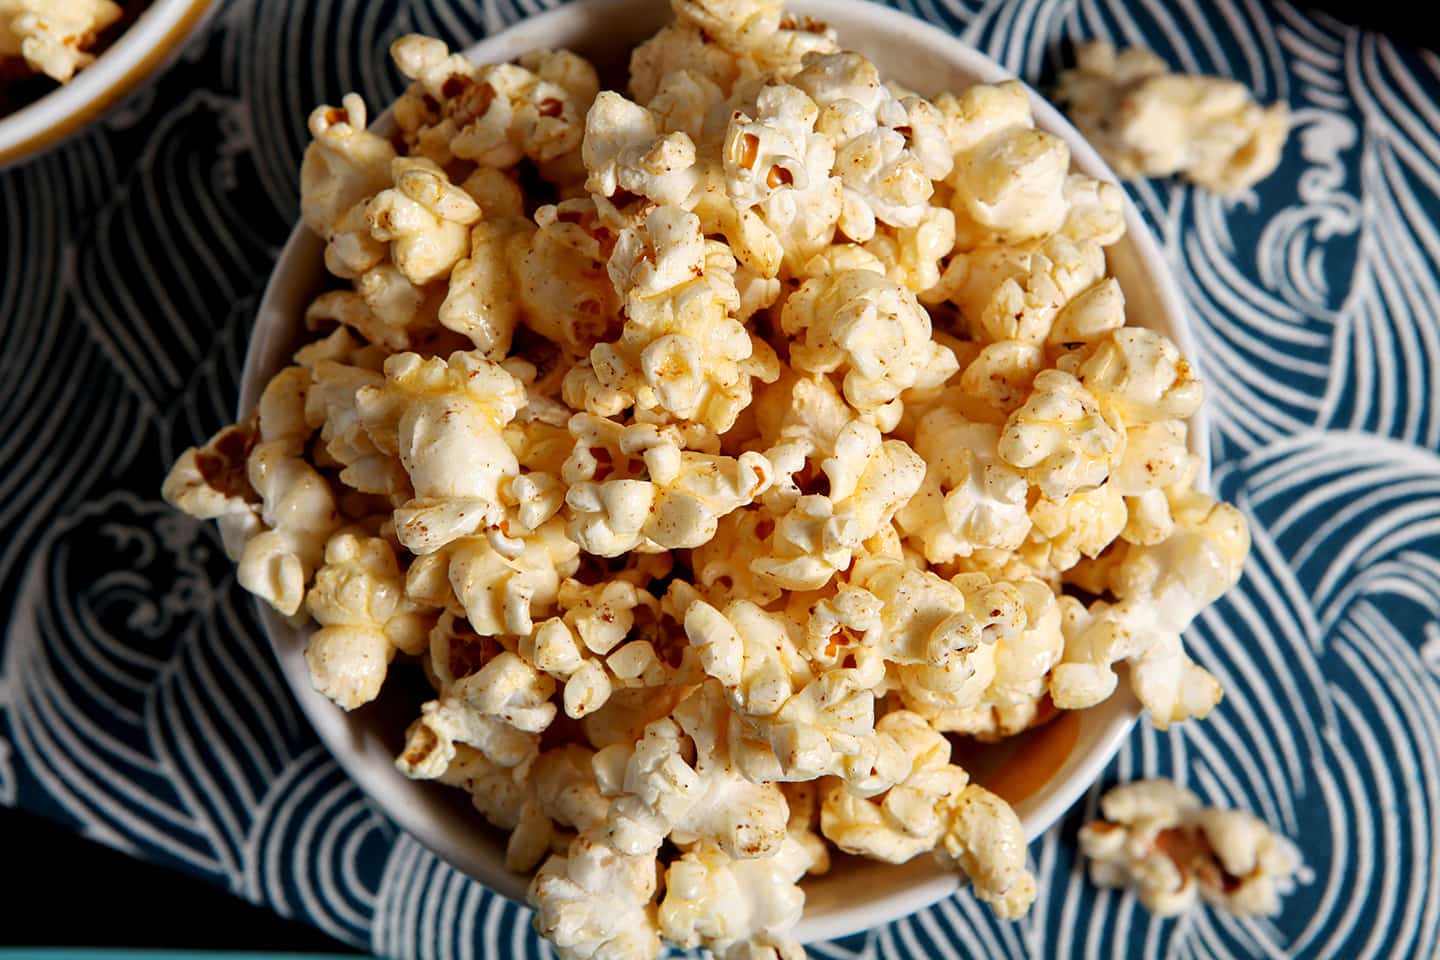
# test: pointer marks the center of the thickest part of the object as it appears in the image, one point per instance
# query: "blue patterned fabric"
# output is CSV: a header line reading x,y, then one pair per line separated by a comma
x,y
138,698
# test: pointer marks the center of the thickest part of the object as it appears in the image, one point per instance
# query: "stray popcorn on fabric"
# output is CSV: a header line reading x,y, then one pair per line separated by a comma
x,y
721,451
1149,122
1158,838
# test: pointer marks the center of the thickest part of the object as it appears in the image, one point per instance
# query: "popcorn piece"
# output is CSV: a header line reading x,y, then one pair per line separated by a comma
x,y
1025,304
494,115
359,601
679,505
1060,437
814,723
869,480
210,483
54,38
424,218
873,330
971,499
624,150
680,350
1024,657
907,820
659,793
1161,589
345,166
888,150
1008,183
1097,211
565,294
331,405
297,509
1158,838
594,903
1149,122
688,103
996,382
736,909
480,302
911,255
677,49
1138,376
443,419
777,168
396,304
726,42
1084,523
446,724
596,620
939,635
504,583
984,838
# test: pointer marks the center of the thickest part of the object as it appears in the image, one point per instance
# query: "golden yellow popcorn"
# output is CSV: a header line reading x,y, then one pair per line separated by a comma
x,y
873,330
970,499
443,419
596,902
345,166
359,601
658,792
564,292
495,115
736,909
681,353
1008,182
1060,438
718,450
624,150
1158,837
866,478
295,506
983,837
424,218
777,171
54,38
906,821
888,150
1149,122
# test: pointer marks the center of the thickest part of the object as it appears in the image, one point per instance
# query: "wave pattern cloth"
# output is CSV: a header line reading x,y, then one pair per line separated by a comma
x,y
138,698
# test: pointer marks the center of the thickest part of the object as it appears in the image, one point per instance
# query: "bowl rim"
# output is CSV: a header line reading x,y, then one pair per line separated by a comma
x,y
144,47
1114,718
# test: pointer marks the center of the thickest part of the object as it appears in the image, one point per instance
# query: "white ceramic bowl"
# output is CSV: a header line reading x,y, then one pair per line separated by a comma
x,y
1043,772
145,46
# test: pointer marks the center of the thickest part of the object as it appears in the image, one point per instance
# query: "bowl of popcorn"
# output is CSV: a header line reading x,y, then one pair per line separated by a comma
x,y
63,63
717,485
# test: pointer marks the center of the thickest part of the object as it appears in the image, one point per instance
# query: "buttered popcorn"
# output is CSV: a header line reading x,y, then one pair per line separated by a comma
x,y
1158,838
54,37
1150,122
720,448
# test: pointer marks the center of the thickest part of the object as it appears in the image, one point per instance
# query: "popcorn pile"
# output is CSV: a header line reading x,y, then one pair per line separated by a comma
x,y
718,449
54,36
1159,838
1149,122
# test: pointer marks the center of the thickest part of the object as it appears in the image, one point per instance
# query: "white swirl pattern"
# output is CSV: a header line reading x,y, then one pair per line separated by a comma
x,y
139,703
